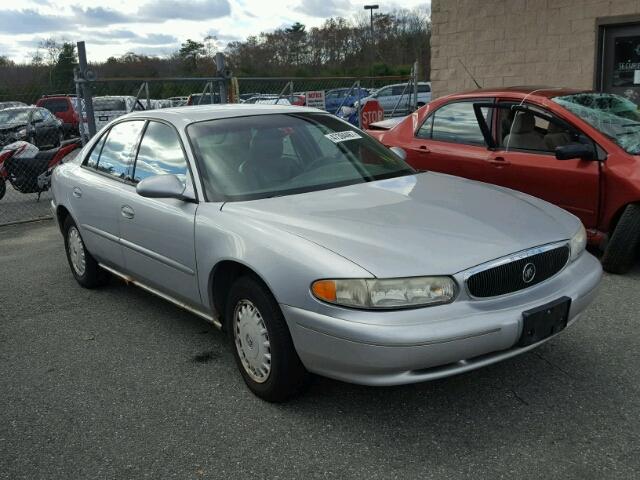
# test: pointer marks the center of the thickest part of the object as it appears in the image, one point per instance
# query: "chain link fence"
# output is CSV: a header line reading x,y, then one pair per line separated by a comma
x,y
42,121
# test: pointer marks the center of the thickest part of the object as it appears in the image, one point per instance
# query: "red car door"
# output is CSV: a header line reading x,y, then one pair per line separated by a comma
x,y
524,159
450,141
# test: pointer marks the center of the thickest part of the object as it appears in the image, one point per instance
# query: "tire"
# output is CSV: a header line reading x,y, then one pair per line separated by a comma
x,y
90,275
286,376
622,249
3,187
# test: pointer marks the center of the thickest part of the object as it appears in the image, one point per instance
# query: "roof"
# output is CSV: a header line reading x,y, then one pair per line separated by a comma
x,y
186,115
531,90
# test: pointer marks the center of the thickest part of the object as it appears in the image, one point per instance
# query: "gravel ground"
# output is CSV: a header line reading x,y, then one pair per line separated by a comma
x,y
115,383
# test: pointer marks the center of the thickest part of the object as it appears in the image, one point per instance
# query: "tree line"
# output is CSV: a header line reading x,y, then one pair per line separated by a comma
x,y
339,47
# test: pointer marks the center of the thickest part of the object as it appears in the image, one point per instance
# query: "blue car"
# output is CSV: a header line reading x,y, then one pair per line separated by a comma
x,y
338,97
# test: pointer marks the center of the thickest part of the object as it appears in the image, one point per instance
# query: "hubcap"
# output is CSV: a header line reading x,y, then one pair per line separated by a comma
x,y
252,341
76,251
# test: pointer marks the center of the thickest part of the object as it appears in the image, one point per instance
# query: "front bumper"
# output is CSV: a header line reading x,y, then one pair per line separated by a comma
x,y
409,346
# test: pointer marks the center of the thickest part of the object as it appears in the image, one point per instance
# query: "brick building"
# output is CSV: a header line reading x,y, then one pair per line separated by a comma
x,y
573,43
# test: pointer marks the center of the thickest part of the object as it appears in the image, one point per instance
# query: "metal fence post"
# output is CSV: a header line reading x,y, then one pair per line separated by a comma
x,y
86,89
81,111
222,74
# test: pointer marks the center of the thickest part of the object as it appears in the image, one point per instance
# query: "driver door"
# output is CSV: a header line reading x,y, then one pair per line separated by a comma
x,y
157,234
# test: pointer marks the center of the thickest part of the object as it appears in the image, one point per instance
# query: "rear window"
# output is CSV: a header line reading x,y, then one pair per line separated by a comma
x,y
109,105
55,105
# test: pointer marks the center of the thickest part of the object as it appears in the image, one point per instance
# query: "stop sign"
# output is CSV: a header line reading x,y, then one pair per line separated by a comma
x,y
371,112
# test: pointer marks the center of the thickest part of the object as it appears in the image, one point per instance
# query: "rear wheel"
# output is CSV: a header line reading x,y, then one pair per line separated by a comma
x,y
261,342
84,267
622,249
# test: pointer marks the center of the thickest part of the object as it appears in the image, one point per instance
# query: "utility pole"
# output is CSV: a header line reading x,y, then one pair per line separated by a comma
x,y
371,8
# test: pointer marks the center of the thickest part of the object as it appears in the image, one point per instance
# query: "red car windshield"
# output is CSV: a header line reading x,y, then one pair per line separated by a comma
x,y
613,115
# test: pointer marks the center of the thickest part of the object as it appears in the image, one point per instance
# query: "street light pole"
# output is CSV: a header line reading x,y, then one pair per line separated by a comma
x,y
371,8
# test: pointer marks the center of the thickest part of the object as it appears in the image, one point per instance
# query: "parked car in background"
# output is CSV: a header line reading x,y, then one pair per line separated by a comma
x,y
4,105
268,100
162,103
245,96
206,99
577,149
108,108
400,98
178,101
343,97
316,248
65,108
32,124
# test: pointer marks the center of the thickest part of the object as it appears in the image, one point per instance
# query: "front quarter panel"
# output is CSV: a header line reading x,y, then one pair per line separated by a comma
x,y
288,264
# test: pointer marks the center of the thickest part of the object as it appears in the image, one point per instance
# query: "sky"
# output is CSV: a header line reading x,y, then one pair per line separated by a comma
x,y
158,27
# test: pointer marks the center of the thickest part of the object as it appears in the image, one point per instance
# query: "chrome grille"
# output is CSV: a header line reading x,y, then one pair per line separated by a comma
x,y
508,277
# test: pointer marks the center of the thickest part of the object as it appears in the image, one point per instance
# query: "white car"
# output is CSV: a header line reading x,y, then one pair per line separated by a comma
x,y
108,108
399,97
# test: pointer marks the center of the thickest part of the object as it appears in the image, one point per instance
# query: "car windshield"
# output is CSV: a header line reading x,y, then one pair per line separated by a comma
x,y
109,105
247,158
613,115
18,115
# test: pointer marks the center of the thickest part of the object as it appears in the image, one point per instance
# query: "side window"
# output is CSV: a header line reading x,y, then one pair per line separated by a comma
x,y
385,92
118,150
400,89
425,129
423,88
532,130
160,153
457,123
92,160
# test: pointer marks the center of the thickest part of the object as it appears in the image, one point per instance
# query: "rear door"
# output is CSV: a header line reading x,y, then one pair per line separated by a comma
x,y
158,233
524,160
450,141
99,185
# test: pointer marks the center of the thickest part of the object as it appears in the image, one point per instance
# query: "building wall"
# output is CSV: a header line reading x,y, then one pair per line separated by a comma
x,y
517,42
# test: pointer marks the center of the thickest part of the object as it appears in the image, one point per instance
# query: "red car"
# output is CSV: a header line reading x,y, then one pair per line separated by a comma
x,y
65,108
577,149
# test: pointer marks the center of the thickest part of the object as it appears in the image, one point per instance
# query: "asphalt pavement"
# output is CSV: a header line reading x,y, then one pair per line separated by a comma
x,y
115,383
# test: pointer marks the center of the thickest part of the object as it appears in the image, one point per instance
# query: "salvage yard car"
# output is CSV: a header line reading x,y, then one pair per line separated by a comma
x,y
577,149
107,108
316,248
32,124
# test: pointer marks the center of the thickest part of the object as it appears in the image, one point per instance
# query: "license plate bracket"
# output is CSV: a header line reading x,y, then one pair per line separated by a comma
x,y
544,321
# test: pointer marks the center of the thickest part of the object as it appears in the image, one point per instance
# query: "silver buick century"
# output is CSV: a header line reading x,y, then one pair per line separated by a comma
x,y
316,248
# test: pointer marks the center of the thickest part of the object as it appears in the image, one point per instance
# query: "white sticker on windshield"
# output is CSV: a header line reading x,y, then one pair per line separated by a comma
x,y
337,137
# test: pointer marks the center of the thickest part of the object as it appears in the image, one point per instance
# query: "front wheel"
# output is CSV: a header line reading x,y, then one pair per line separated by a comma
x,y
84,267
622,249
261,342
3,187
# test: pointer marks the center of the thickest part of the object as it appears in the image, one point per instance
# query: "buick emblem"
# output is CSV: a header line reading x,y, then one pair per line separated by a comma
x,y
528,273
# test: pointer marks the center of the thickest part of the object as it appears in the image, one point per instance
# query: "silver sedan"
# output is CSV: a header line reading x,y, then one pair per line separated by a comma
x,y
317,249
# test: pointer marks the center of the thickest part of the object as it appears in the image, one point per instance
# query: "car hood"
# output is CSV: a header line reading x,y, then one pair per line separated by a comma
x,y
424,224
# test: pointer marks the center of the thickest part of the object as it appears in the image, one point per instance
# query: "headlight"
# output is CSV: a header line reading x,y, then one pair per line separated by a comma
x,y
21,133
390,293
578,243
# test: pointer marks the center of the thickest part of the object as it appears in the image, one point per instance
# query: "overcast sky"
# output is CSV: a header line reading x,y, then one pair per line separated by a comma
x,y
157,27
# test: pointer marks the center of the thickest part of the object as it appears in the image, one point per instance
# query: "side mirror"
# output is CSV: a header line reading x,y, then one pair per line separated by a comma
x,y
575,150
165,186
399,152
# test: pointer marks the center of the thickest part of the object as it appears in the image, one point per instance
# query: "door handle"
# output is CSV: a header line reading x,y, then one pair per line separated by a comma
x,y
423,149
77,192
127,212
499,161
